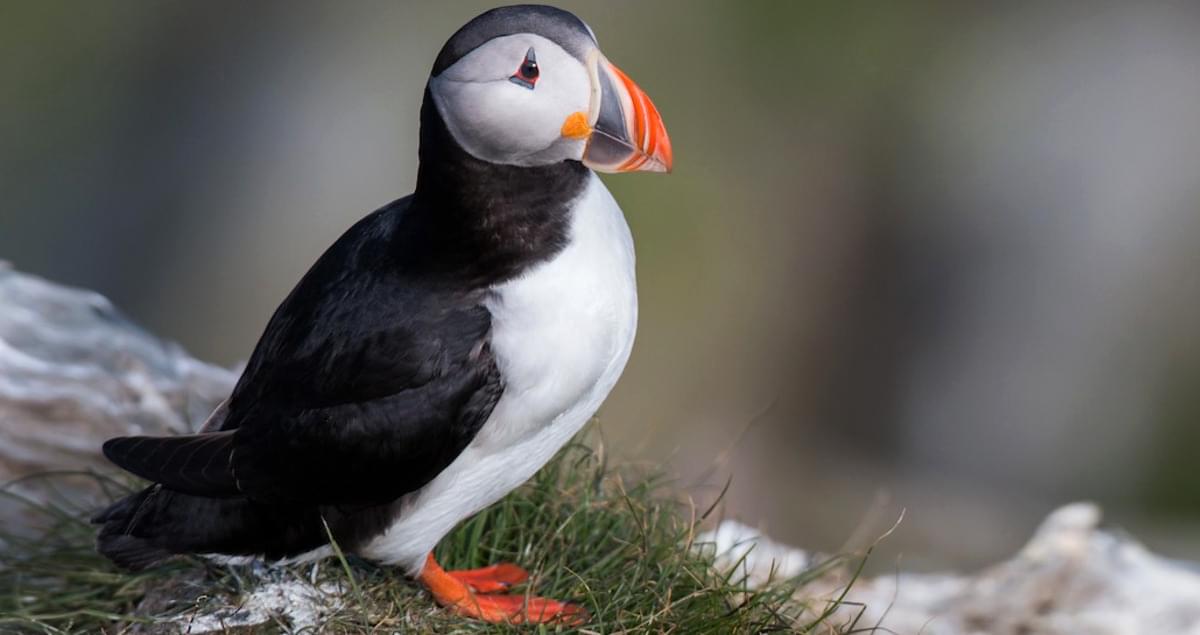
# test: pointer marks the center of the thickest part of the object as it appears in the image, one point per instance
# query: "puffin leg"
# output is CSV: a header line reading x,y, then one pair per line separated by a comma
x,y
493,579
456,595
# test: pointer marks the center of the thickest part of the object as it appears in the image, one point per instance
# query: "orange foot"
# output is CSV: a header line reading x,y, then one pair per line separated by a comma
x,y
457,590
493,579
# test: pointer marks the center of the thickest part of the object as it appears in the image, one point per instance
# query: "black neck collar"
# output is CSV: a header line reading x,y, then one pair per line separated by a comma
x,y
491,220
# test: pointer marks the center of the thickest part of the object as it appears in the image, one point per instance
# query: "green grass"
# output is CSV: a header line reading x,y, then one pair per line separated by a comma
x,y
621,546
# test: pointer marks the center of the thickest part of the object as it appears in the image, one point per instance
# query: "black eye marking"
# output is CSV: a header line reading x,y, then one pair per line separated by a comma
x,y
527,73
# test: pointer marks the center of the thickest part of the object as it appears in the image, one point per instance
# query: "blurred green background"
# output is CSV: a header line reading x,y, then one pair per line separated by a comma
x,y
939,256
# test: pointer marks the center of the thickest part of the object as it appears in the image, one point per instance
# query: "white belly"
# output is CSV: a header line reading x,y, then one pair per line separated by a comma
x,y
561,334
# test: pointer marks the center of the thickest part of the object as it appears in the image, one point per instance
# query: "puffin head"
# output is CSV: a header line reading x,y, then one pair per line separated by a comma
x,y
528,86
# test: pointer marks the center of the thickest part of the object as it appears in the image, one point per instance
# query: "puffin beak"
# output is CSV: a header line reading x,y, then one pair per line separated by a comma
x,y
623,129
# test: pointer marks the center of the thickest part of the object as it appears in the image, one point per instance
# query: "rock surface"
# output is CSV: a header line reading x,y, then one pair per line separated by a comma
x,y
1071,578
74,372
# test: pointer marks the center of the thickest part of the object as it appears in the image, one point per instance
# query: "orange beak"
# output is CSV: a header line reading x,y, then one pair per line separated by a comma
x,y
624,131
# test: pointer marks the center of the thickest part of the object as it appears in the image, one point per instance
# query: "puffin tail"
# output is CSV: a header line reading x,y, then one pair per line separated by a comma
x,y
159,523
116,540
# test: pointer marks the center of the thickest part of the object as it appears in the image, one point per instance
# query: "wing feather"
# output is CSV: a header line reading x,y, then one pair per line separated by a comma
x,y
198,464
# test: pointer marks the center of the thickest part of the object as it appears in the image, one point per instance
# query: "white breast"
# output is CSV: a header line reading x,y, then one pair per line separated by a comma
x,y
561,334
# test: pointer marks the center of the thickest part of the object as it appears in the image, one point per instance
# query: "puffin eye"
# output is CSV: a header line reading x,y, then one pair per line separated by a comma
x,y
527,73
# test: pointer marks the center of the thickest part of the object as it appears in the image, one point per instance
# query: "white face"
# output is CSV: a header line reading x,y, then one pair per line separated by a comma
x,y
500,119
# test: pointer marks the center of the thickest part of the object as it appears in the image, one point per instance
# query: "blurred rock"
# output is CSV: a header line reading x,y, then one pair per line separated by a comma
x,y
1072,577
74,372
761,558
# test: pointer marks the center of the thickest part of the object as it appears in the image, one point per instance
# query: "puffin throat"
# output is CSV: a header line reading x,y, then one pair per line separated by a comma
x,y
494,218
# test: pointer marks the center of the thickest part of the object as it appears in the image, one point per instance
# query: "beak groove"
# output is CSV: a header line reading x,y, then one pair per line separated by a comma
x,y
628,134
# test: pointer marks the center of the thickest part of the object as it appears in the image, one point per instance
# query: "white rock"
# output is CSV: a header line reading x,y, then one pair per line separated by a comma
x,y
757,557
297,605
1070,579
74,372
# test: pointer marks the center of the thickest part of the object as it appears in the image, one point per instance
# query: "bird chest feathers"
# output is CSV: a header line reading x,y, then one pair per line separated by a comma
x,y
561,334
563,331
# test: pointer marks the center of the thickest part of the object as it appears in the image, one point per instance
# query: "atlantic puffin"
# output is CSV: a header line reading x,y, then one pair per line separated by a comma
x,y
445,346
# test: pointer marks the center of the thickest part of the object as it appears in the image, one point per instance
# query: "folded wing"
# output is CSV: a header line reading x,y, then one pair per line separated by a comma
x,y
368,381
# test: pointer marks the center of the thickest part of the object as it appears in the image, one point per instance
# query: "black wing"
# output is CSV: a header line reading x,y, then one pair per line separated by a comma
x,y
368,381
